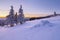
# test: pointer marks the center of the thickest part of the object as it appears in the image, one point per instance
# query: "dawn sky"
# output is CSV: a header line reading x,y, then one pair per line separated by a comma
x,y
31,6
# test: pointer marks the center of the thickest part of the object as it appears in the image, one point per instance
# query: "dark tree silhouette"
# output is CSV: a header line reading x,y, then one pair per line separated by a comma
x,y
16,18
55,13
11,16
21,15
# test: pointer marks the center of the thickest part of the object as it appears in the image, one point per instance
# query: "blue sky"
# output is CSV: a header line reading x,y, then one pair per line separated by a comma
x,y
32,6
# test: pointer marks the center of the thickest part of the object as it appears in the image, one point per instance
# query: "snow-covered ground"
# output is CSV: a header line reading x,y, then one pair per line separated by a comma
x,y
42,29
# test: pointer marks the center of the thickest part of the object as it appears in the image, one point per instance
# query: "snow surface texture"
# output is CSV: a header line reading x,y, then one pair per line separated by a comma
x,y
43,29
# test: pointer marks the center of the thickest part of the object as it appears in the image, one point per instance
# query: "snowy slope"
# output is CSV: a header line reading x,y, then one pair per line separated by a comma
x,y
43,29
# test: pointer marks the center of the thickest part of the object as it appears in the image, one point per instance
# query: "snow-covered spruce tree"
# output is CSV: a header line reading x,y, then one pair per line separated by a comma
x,y
21,15
16,18
2,22
11,17
55,13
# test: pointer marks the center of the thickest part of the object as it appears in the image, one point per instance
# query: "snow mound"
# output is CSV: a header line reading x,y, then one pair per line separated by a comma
x,y
42,29
44,23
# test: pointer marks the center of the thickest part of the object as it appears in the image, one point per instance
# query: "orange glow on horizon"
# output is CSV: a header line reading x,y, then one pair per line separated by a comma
x,y
35,15
5,13
30,15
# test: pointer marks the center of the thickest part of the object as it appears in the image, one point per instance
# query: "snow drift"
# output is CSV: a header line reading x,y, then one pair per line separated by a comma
x,y
43,29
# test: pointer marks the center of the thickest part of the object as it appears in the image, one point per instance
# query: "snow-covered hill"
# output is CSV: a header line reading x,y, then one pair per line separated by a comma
x,y
43,29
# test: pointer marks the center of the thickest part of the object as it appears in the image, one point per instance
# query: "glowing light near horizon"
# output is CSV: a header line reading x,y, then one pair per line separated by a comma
x,y
3,13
